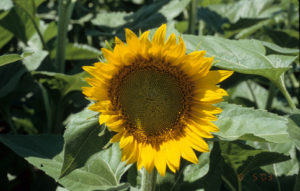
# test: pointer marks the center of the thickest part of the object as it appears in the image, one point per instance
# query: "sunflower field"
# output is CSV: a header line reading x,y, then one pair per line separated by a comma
x,y
150,95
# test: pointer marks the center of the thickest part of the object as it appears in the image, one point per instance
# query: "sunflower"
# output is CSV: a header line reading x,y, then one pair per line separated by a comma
x,y
158,99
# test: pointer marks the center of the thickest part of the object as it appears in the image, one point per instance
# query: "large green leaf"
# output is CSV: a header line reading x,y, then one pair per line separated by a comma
x,y
294,128
246,9
45,152
244,56
82,139
62,82
236,122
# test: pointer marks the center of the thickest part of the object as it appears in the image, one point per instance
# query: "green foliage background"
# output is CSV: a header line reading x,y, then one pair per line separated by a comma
x,y
43,115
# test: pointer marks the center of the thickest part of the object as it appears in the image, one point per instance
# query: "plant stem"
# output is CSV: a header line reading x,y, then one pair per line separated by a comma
x,y
148,180
252,94
65,9
48,110
281,85
228,183
275,170
192,16
272,93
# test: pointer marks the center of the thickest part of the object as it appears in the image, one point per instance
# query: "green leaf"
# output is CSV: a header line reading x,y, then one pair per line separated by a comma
x,y
246,9
9,58
294,128
244,56
79,52
33,61
27,6
10,76
45,153
5,36
248,91
50,32
147,17
6,4
82,139
212,180
279,49
287,168
236,122
244,158
194,172
252,94
62,82
111,19
156,13
19,23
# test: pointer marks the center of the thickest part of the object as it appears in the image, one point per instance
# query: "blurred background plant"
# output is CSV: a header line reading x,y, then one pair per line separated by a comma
x,y
44,44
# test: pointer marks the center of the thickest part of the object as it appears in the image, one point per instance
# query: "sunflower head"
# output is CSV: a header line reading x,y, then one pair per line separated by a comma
x,y
158,99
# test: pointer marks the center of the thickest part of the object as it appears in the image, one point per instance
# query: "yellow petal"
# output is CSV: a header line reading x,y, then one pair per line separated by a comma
x,y
116,138
125,140
132,40
160,35
160,162
217,76
188,153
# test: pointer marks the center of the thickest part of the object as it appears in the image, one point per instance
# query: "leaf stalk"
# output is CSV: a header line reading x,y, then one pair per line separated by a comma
x,y
148,180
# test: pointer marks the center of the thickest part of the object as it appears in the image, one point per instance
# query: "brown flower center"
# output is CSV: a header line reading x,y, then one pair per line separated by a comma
x,y
151,100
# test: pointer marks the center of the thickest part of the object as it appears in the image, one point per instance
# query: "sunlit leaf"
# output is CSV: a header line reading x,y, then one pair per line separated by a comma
x,y
6,4
279,49
111,19
246,9
294,128
245,56
236,122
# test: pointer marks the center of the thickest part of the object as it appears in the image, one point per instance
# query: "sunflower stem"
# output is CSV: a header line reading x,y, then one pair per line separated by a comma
x,y
193,16
148,180
282,88
65,9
